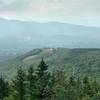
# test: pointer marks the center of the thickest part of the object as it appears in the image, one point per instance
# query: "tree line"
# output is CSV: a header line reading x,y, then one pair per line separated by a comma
x,y
40,84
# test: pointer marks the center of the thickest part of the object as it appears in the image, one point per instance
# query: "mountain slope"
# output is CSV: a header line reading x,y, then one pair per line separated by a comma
x,y
72,61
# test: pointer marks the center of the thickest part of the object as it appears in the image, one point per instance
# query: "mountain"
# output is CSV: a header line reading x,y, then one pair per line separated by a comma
x,y
73,61
18,37
31,35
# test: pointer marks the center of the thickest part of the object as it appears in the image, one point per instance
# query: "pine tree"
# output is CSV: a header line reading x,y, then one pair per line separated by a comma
x,y
79,88
87,87
4,88
71,89
19,84
43,80
42,69
31,83
72,81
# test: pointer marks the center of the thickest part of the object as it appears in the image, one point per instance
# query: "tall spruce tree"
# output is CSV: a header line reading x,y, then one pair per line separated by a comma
x,y
31,83
19,84
71,89
43,80
87,87
4,88
42,69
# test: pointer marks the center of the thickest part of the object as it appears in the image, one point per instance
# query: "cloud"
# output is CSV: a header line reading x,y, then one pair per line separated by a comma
x,y
62,10
13,5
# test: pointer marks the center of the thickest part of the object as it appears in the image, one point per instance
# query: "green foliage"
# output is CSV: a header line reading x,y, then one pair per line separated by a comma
x,y
43,81
4,88
19,85
79,61
41,84
31,83
87,87
41,70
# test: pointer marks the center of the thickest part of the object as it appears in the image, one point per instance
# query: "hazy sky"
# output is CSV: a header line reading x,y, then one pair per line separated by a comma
x,y
85,12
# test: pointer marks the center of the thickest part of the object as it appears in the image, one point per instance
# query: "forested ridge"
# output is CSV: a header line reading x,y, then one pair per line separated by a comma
x,y
41,84
79,61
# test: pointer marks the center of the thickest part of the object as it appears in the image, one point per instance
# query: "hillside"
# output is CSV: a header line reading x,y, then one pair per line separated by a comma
x,y
72,61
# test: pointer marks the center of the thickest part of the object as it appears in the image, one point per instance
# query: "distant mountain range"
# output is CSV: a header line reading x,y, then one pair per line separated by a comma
x,y
17,37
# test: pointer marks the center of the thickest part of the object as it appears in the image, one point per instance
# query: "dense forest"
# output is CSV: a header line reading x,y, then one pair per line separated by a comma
x,y
41,84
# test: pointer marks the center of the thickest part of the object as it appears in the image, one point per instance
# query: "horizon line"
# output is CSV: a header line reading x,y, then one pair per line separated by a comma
x,y
62,22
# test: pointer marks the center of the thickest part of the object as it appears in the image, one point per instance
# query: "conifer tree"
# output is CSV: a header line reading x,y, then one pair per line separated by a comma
x,y
71,89
19,84
42,69
31,83
87,87
79,88
4,88
43,79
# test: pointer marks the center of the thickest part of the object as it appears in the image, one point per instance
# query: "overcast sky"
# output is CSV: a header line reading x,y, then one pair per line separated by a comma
x,y
86,12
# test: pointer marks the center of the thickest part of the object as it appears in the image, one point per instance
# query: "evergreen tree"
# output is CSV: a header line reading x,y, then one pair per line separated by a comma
x,y
58,85
71,89
72,81
31,83
79,88
4,88
87,87
42,69
19,84
96,86
43,80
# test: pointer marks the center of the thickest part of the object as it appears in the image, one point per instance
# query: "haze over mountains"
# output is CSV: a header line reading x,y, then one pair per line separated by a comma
x,y
18,36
